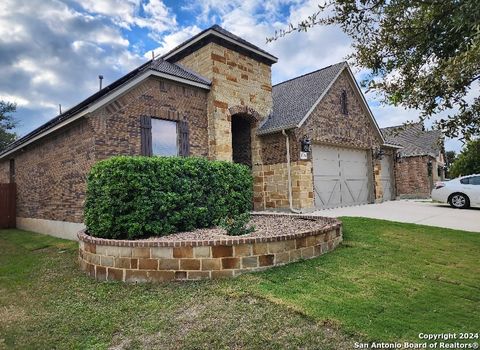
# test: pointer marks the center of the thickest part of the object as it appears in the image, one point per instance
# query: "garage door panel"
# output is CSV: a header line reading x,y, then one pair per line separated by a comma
x,y
340,176
328,192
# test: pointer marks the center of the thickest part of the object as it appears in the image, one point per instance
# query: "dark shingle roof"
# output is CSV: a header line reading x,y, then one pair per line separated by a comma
x,y
292,99
172,54
415,140
177,70
158,65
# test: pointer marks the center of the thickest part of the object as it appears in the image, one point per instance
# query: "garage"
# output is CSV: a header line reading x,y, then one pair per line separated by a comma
x,y
341,176
386,176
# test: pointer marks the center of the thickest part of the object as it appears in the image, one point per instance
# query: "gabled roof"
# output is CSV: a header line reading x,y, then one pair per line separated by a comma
x,y
295,99
415,140
217,34
157,67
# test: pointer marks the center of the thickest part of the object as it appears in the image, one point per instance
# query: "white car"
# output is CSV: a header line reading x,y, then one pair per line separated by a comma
x,y
461,192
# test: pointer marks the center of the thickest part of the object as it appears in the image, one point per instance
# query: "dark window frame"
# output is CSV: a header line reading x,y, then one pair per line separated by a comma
x,y
344,102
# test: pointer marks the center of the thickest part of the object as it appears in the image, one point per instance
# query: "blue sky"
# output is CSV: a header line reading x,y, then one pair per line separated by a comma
x,y
52,51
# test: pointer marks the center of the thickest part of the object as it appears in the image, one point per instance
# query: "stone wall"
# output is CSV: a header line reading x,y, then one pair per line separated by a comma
x,y
51,172
271,181
237,80
377,174
150,261
411,176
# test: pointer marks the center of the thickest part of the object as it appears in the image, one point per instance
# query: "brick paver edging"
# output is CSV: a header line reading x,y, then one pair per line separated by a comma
x,y
156,261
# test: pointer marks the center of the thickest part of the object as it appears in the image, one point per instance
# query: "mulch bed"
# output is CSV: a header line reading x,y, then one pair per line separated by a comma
x,y
265,226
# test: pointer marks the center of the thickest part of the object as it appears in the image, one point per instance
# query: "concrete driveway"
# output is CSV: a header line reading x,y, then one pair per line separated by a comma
x,y
413,211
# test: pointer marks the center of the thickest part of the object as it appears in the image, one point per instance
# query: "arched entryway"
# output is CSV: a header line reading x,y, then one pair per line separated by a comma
x,y
243,122
241,139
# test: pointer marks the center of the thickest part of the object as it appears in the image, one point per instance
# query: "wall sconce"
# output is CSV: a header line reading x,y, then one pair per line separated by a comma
x,y
429,167
306,144
378,153
398,157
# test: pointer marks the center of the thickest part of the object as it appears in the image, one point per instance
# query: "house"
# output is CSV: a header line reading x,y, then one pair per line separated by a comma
x,y
311,142
420,162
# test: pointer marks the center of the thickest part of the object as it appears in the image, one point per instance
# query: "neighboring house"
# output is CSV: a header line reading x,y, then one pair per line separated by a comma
x,y
420,162
212,97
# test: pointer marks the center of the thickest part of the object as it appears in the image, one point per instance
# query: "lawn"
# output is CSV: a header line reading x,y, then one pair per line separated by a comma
x,y
386,282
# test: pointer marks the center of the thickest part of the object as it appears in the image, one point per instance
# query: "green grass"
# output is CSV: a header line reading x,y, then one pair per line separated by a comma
x,y
386,282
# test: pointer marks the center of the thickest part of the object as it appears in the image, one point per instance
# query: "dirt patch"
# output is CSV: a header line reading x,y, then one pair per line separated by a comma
x,y
265,226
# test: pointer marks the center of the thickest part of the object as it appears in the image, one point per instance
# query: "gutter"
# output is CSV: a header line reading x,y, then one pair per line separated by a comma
x,y
289,171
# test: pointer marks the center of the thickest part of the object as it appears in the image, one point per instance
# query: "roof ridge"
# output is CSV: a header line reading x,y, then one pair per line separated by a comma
x,y
315,71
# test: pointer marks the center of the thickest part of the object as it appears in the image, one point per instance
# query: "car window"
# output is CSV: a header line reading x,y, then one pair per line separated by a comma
x,y
475,180
465,181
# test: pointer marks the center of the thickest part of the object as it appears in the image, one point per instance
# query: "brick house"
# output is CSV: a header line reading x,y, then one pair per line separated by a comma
x,y
421,160
212,97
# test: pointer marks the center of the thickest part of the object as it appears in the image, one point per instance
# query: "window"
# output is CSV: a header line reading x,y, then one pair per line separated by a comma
x,y
160,137
475,180
164,138
343,102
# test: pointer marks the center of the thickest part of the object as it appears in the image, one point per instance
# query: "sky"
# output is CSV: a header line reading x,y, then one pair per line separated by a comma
x,y
52,51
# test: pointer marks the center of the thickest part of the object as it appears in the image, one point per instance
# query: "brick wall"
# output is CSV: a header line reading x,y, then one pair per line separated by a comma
x,y
51,173
411,175
5,171
328,125
117,125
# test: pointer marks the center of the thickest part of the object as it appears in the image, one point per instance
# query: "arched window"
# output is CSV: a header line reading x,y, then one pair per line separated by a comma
x,y
343,103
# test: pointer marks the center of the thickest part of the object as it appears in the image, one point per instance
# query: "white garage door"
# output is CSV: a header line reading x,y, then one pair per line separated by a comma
x,y
386,176
341,176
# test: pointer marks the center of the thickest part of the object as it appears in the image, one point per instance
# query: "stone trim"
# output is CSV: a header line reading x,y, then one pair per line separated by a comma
x,y
245,110
150,261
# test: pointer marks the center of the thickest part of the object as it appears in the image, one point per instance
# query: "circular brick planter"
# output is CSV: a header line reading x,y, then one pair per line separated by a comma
x,y
156,261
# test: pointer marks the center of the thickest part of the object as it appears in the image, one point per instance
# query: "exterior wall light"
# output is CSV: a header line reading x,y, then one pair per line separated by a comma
x,y
378,153
306,144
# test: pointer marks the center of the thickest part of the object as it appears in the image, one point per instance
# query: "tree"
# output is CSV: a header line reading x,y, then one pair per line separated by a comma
x,y
7,123
468,161
422,54
450,157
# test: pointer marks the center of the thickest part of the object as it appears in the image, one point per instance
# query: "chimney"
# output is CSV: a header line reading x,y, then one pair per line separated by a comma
x,y
100,78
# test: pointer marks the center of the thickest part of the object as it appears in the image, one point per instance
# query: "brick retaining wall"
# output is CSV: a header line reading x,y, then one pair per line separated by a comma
x,y
157,261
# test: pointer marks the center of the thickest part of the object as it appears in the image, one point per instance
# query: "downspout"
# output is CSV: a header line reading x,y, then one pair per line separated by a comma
x,y
289,172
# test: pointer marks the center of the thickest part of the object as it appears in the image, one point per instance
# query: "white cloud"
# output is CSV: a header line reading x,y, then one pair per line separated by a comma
x,y
153,15
51,54
170,41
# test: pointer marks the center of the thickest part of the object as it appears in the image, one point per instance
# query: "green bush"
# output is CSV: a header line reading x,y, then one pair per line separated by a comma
x,y
237,226
130,197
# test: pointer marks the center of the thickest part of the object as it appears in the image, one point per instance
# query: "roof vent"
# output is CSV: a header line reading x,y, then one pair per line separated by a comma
x,y
100,79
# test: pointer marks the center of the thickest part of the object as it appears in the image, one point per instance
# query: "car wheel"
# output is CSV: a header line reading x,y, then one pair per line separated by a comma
x,y
459,200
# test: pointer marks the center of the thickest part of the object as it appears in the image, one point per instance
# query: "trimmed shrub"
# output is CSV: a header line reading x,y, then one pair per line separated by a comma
x,y
130,197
